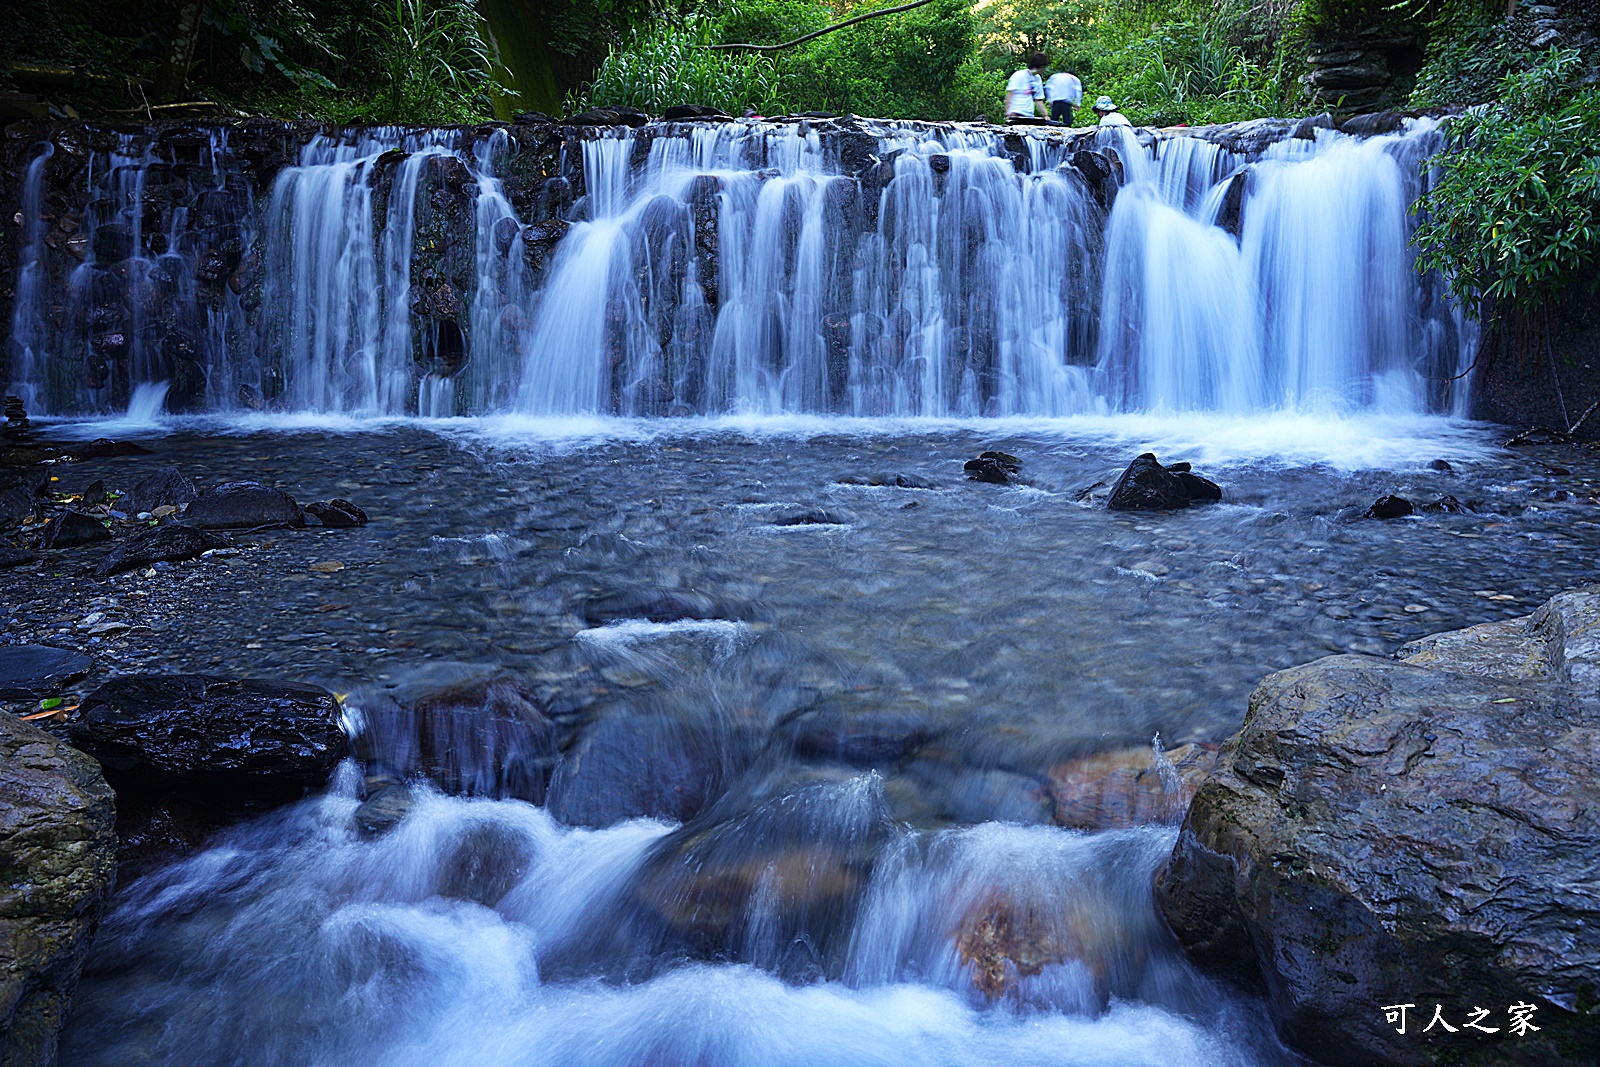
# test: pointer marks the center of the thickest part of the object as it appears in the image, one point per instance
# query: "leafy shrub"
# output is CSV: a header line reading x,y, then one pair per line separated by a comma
x,y
667,63
1513,218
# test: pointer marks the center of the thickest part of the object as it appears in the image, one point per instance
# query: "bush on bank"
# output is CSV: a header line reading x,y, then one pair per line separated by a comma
x,y
1513,215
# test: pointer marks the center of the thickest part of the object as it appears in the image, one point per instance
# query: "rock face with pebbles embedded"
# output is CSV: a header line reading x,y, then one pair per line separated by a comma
x,y
1421,831
57,865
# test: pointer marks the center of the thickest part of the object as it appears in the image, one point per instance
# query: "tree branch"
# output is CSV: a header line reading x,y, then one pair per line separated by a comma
x,y
818,33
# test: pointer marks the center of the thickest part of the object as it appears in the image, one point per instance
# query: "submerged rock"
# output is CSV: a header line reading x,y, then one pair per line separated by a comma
x,y
160,544
1419,832
242,505
1128,787
1148,486
57,866
240,739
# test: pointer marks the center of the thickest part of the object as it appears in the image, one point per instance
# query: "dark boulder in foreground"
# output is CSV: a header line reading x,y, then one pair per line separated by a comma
x,y
28,672
160,544
1419,833
167,487
244,740
57,865
1148,486
241,506
71,529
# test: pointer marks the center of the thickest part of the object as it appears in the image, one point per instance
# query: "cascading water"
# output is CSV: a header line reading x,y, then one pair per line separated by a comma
x,y
29,332
753,267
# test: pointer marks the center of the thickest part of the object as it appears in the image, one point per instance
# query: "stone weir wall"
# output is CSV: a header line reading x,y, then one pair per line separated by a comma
x,y
145,246
140,253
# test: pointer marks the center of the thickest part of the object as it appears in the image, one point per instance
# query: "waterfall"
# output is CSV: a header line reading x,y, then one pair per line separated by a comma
x,y
30,337
878,269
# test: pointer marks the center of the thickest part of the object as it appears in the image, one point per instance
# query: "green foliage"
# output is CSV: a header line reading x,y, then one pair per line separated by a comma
x,y
917,64
1514,216
1472,47
668,63
437,66
261,29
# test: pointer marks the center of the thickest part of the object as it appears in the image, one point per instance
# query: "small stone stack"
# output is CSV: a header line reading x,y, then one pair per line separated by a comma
x,y
16,427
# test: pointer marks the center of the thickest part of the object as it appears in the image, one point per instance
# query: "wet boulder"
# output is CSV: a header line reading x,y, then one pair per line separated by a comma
x,y
71,529
336,513
57,866
28,672
1135,786
1148,486
753,885
167,487
1390,507
242,505
482,736
167,543
15,557
996,468
853,729
633,760
1418,833
237,739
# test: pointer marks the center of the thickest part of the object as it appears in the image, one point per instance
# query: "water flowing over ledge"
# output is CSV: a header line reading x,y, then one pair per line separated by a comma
x,y
841,267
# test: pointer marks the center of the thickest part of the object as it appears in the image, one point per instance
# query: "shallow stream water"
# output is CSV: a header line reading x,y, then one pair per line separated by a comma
x,y
807,729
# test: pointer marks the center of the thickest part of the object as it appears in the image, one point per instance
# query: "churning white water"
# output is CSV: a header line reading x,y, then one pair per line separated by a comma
x,y
750,268
486,933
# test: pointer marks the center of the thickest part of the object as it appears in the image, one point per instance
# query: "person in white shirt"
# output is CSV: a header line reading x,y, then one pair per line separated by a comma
x,y
1064,92
1109,115
1024,91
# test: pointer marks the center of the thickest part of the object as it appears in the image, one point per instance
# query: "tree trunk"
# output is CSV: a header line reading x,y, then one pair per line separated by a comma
x,y
180,53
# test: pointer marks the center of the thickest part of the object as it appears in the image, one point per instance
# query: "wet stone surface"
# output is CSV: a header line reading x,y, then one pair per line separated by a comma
x,y
1011,627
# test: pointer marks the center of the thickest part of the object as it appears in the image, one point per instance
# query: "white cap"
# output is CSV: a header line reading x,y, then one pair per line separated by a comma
x,y
1104,104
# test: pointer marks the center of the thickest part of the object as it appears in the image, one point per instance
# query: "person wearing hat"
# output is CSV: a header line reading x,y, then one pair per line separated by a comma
x,y
1109,115
1025,92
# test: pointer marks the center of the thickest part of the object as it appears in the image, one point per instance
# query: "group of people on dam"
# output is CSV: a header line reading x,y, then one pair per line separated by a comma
x,y
1028,95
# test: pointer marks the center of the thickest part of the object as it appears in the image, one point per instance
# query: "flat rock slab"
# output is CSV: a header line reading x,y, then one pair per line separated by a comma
x,y
167,543
242,505
30,672
57,865
235,739
1422,833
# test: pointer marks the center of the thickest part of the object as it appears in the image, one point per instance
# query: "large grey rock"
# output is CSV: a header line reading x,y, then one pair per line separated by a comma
x,y
1421,832
237,739
57,864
